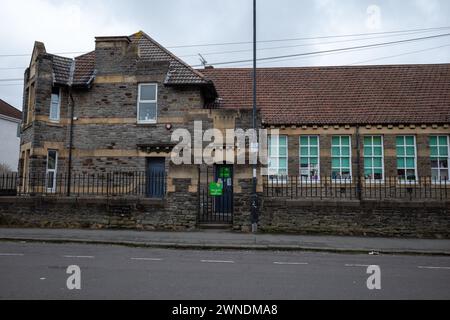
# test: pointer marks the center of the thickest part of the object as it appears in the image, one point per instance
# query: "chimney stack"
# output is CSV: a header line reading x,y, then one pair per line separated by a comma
x,y
109,52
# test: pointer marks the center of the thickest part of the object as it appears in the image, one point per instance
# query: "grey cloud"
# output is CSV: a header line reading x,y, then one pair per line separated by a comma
x,y
175,22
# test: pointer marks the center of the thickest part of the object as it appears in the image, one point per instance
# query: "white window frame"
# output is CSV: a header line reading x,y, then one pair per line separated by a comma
x,y
340,156
54,171
276,177
438,156
309,180
416,173
139,101
59,106
382,159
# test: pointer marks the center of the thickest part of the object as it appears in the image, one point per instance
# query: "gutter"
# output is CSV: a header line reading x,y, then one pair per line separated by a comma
x,y
11,119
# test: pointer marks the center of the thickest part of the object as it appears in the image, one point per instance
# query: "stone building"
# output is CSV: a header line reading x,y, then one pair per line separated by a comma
x,y
342,122
113,111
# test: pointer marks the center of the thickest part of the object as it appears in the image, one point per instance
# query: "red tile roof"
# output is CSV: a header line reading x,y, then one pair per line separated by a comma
x,y
8,110
61,68
83,72
84,68
340,95
179,72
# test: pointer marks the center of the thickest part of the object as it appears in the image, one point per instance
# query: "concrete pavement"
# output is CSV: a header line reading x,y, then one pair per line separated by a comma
x,y
39,271
230,240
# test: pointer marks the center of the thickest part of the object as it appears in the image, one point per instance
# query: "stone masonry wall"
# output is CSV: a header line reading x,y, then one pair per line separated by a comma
x,y
366,218
241,205
178,211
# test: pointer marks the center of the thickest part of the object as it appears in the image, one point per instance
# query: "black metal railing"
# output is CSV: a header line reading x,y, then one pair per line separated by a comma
x,y
110,184
329,188
143,184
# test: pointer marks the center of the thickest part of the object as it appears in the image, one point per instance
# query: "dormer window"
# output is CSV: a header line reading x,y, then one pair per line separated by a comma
x,y
55,104
147,103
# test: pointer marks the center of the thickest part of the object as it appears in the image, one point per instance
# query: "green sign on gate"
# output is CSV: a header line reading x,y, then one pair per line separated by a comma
x,y
224,172
215,189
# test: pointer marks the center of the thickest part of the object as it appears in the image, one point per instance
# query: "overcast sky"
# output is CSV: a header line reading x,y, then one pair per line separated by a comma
x,y
71,25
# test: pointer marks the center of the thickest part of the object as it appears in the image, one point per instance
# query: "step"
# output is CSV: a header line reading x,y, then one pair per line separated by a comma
x,y
215,225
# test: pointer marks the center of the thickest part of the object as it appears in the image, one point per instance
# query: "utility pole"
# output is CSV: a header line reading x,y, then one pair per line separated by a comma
x,y
358,165
254,196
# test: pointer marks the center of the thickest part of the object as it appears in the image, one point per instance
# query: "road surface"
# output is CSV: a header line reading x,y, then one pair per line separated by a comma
x,y
38,271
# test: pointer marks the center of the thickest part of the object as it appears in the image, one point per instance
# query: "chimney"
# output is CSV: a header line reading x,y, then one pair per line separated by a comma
x,y
38,49
110,52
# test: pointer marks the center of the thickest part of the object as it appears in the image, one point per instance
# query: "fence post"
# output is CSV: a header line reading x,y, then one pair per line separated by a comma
x,y
359,188
107,183
445,186
292,195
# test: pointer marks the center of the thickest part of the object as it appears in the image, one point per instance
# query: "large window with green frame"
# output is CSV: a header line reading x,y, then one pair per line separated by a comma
x,y
278,155
309,158
341,157
439,152
406,158
373,158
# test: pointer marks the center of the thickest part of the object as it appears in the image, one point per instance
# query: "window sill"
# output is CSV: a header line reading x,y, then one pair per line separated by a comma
x,y
442,183
276,181
54,123
300,181
373,181
341,181
143,123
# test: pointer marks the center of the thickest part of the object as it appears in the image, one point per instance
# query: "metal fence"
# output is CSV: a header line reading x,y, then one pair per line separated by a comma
x,y
110,184
143,184
215,209
329,188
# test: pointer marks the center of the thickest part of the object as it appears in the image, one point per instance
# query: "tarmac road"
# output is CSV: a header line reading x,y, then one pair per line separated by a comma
x,y
38,271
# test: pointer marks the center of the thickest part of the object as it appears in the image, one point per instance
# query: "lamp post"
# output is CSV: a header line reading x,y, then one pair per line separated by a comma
x,y
254,196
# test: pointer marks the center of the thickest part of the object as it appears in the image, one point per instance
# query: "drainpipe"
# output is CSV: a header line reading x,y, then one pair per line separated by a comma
x,y
358,165
69,172
72,107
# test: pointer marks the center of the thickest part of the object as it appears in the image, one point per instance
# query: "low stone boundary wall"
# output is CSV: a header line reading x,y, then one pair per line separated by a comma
x,y
423,219
95,213
179,211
